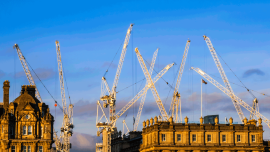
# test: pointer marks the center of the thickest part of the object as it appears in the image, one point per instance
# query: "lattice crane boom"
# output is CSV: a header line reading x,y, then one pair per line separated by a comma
x,y
176,95
61,78
67,125
121,61
152,86
143,91
137,120
27,71
224,77
237,99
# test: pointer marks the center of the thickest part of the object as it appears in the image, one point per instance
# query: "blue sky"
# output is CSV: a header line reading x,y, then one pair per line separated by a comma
x,y
91,32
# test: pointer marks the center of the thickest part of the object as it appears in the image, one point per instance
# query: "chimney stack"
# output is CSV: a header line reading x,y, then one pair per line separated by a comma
x,y
6,94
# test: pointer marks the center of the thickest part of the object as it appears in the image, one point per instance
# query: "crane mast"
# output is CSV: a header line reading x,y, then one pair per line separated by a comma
x,y
27,71
108,127
176,96
144,96
112,96
237,99
224,78
67,125
152,86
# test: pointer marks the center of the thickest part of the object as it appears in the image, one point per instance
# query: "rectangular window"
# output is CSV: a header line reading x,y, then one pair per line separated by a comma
x,y
29,130
178,137
24,149
208,138
238,138
40,149
29,149
223,138
253,138
24,130
163,137
193,137
13,149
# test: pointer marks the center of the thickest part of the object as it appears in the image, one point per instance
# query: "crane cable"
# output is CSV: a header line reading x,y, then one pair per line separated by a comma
x,y
43,84
237,77
242,86
113,58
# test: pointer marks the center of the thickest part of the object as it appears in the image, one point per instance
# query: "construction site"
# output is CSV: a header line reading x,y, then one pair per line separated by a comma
x,y
168,131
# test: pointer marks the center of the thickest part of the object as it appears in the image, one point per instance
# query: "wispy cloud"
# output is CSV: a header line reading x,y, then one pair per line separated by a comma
x,y
252,72
107,64
42,73
84,142
2,74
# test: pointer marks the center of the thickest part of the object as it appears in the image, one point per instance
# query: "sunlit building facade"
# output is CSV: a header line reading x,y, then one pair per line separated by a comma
x,y
26,123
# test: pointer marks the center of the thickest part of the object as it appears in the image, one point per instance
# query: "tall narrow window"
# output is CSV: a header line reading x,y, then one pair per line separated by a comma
x,y
13,149
29,130
40,149
208,138
223,138
238,138
24,130
29,149
253,138
24,149
11,111
193,137
163,137
178,137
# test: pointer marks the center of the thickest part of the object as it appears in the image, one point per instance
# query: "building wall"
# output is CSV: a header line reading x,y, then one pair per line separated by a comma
x,y
154,141
25,110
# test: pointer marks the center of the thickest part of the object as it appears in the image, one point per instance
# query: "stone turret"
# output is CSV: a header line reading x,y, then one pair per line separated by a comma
x,y
6,94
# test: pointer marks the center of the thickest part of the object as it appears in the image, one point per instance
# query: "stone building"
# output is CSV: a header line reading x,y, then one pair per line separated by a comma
x,y
129,143
167,136
26,123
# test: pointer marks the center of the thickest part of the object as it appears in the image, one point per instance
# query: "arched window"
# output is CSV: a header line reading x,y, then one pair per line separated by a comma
x,y
24,130
29,130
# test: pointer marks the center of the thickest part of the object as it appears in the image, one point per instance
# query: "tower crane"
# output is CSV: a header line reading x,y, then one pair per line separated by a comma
x,y
67,126
151,85
176,95
224,77
107,128
255,107
137,120
228,92
111,98
27,71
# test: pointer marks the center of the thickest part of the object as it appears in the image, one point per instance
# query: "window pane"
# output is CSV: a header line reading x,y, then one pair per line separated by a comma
x,y
24,148
193,137
178,137
40,148
238,138
29,148
223,138
13,149
24,130
208,137
29,130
